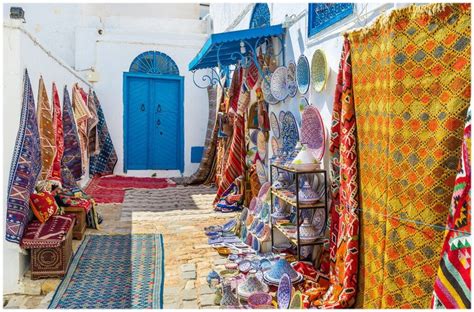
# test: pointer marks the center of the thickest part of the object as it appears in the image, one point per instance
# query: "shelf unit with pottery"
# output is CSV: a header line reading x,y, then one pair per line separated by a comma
x,y
294,201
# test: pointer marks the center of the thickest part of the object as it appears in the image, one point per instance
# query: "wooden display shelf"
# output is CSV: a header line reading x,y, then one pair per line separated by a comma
x,y
294,241
280,195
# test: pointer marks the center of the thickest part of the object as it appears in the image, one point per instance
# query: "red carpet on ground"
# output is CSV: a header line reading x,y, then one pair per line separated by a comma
x,y
111,189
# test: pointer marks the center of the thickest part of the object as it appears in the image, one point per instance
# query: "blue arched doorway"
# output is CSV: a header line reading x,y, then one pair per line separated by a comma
x,y
153,114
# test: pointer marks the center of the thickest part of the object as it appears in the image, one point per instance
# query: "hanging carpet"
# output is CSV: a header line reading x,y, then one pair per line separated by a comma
x,y
411,84
114,272
46,132
210,143
55,173
105,159
72,149
344,230
92,134
25,167
452,288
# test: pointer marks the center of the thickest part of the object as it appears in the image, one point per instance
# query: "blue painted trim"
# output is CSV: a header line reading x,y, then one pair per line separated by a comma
x,y
230,42
196,154
154,62
182,131
326,19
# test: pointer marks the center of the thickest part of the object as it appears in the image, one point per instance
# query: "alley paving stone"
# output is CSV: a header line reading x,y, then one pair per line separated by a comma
x,y
180,214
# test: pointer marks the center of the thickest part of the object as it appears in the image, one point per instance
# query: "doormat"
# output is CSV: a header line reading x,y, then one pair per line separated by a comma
x,y
142,204
111,189
114,272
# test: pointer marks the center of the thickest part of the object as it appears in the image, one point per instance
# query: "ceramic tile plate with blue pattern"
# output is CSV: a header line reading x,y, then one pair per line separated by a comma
x,y
303,74
291,79
289,132
275,125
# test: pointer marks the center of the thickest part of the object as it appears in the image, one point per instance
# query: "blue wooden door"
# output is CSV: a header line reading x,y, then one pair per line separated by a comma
x,y
153,122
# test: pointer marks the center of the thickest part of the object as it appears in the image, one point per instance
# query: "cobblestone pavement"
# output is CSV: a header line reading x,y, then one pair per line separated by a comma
x,y
180,214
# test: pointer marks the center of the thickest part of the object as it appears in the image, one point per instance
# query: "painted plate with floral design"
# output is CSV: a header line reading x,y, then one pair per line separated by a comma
x,y
278,84
275,125
302,74
261,172
312,131
319,70
261,145
289,132
291,79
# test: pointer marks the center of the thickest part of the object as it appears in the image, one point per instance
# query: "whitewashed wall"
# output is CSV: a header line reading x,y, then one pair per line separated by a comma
x,y
20,52
71,31
297,42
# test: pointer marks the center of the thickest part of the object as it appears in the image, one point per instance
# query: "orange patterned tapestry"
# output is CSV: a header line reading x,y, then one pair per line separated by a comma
x,y
46,132
411,76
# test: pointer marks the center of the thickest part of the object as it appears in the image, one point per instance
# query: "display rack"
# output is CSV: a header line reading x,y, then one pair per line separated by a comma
x,y
321,204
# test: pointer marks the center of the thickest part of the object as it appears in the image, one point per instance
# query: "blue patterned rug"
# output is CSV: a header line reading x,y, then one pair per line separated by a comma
x,y
114,272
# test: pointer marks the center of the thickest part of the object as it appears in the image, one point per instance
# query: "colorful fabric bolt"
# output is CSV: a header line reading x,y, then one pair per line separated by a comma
x,y
25,167
55,173
344,234
72,149
452,288
103,162
46,132
411,82
92,134
81,116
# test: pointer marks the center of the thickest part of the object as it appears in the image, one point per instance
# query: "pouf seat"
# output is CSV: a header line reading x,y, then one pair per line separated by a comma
x,y
50,244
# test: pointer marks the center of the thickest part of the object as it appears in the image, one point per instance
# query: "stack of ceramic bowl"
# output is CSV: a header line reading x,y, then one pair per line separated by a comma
x,y
281,267
251,285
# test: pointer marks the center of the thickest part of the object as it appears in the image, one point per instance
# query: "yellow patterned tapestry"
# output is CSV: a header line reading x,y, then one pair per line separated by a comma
x,y
411,76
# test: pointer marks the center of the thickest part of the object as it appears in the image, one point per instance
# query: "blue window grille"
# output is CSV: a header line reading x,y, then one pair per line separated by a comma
x,y
260,16
323,15
154,62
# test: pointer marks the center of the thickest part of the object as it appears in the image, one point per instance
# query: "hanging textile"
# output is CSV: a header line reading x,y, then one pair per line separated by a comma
x,y
25,167
72,149
46,131
344,234
55,173
235,164
104,161
411,82
452,288
235,88
209,152
92,134
81,116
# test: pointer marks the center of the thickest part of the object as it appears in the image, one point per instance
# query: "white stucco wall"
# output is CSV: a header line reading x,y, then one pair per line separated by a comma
x,y
297,42
20,52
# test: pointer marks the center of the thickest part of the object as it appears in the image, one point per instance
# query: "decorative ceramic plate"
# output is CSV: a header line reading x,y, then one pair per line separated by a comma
x,y
319,220
245,266
302,74
275,125
261,172
253,203
229,225
278,84
263,190
319,70
289,132
284,292
253,136
313,132
267,91
275,146
261,145
296,301
291,79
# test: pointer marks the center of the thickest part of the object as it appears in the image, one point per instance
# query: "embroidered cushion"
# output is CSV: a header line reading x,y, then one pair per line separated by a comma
x,y
43,205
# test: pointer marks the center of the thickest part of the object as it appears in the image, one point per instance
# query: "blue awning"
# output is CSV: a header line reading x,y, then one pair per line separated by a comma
x,y
229,42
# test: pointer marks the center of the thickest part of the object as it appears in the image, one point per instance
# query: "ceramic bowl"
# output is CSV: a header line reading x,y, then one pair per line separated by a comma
x,y
223,251
231,266
245,266
233,257
213,228
227,273
258,299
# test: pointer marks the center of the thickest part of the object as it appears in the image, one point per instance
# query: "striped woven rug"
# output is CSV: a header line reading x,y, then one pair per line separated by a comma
x,y
114,272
